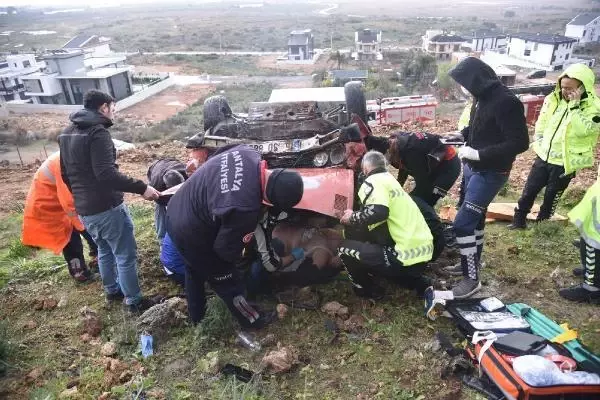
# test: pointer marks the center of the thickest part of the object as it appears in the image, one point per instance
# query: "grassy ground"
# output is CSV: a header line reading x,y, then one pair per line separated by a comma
x,y
393,357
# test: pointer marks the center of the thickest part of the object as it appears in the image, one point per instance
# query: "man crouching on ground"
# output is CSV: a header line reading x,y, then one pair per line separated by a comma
x,y
214,213
388,236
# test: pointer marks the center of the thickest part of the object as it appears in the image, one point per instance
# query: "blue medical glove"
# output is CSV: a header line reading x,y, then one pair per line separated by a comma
x,y
298,253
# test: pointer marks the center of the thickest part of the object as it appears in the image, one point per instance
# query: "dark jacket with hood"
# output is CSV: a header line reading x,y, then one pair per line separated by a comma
x,y
420,153
158,170
497,127
87,161
217,208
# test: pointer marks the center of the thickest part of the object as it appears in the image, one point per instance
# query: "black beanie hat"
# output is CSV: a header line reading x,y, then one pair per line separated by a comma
x,y
284,188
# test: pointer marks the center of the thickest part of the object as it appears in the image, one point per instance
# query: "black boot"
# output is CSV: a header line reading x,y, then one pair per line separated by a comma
x,y
519,220
581,293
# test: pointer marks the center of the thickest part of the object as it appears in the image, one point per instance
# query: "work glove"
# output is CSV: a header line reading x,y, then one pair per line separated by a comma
x,y
151,193
468,153
298,253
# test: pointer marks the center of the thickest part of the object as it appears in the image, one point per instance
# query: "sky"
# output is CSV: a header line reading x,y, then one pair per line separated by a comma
x,y
46,3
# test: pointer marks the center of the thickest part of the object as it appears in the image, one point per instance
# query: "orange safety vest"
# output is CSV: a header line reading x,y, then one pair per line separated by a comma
x,y
50,215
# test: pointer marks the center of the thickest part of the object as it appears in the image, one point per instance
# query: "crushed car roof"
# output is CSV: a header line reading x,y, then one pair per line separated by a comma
x,y
330,94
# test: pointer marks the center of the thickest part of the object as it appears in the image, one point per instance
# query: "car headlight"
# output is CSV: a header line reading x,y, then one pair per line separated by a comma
x,y
337,154
320,159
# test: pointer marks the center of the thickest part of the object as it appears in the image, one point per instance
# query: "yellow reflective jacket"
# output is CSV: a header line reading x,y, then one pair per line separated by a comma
x,y
566,132
407,227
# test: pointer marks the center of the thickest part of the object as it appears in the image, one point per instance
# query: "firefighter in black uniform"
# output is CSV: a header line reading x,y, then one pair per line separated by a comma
x,y
215,213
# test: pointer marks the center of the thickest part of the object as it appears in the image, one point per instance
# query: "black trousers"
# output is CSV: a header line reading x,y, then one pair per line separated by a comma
x,y
205,266
590,259
542,175
73,254
364,260
435,186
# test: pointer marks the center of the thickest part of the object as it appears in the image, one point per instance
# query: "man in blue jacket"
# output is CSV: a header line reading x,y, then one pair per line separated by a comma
x,y
215,213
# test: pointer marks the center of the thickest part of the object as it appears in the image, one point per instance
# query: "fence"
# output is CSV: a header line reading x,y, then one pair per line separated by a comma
x,y
144,94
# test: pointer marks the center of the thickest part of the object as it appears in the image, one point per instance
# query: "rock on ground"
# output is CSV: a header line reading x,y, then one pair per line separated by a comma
x,y
355,324
281,360
157,320
282,311
335,309
108,349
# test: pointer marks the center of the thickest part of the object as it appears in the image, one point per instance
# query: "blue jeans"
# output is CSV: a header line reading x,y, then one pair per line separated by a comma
x,y
480,188
112,231
160,216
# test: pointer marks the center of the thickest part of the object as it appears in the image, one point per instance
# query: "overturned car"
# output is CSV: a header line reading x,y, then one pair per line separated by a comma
x,y
322,140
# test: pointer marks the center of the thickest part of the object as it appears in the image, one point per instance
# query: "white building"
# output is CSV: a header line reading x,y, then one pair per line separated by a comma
x,y
441,45
367,45
485,40
545,51
91,45
11,71
68,75
585,28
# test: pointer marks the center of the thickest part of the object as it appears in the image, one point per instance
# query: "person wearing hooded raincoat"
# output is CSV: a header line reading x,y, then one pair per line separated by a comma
x,y
566,133
496,133
50,220
586,217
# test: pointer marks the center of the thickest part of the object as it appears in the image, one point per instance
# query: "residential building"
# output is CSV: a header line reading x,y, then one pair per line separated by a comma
x,y
584,27
485,40
367,44
11,71
550,52
91,45
441,44
341,76
301,45
68,75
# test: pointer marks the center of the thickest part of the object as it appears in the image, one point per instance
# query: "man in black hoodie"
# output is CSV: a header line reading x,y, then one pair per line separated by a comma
x,y
496,133
214,214
87,161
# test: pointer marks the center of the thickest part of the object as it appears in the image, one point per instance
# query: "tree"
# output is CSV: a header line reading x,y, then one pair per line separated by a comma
x,y
339,58
444,81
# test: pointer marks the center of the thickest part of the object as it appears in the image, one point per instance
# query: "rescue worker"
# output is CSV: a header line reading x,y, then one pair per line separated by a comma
x,y
50,220
88,167
566,133
215,213
585,217
387,236
162,175
497,132
433,165
198,152
463,122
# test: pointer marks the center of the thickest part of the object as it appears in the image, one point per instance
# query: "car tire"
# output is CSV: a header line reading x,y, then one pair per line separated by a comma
x,y
216,109
355,100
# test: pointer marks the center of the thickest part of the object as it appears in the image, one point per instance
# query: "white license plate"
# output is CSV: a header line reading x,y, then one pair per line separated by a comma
x,y
278,146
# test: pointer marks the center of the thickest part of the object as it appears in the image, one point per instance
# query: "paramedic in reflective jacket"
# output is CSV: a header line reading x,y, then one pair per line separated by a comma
x,y
214,214
388,236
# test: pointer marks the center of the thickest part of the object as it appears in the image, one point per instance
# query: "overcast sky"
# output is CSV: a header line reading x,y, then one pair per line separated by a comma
x,y
46,3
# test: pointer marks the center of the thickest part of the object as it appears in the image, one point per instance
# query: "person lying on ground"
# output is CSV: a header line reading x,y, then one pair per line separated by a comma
x,y
433,165
213,215
50,221
387,237
296,255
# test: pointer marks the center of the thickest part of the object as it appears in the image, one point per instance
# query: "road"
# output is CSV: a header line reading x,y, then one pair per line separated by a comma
x,y
199,53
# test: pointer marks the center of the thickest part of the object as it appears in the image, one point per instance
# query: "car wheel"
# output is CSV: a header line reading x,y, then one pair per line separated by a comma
x,y
355,100
216,109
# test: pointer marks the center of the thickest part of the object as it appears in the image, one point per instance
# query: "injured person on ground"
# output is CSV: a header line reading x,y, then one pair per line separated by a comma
x,y
294,254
